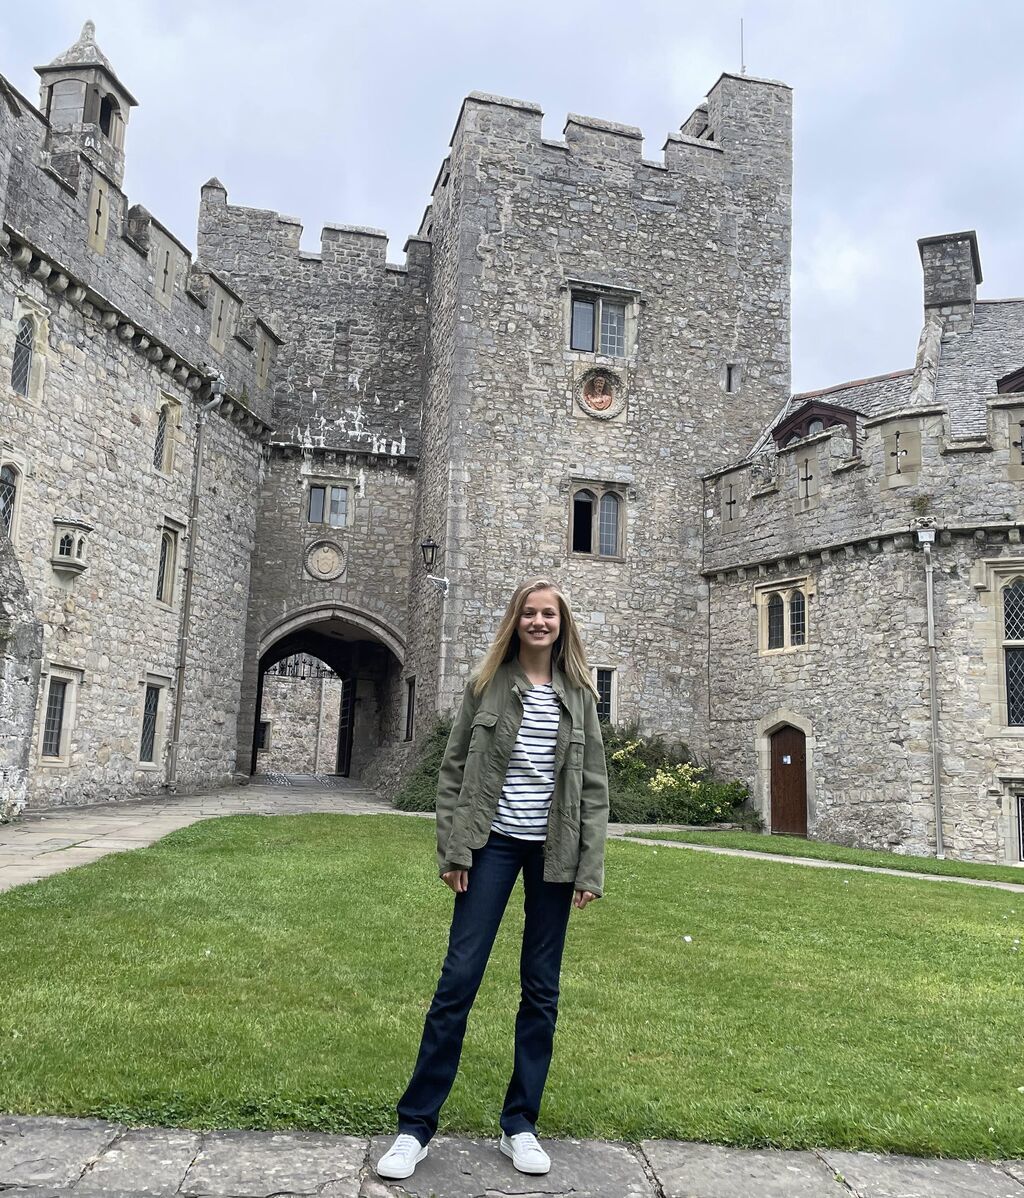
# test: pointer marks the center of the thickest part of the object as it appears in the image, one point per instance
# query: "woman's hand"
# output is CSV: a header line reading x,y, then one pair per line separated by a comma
x,y
582,898
457,880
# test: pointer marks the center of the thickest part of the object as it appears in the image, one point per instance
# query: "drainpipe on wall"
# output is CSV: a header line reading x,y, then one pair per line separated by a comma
x,y
926,538
217,390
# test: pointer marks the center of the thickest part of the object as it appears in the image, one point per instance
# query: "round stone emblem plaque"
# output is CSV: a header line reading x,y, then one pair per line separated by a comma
x,y
324,560
600,393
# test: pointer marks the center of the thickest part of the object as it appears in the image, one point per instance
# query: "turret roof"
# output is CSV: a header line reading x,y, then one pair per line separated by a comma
x,y
86,53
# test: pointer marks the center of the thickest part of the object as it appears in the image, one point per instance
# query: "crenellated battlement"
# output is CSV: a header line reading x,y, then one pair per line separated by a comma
x,y
743,117
341,246
818,493
72,231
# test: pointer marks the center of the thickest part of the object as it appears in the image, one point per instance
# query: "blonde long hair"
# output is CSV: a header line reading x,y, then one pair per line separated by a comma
x,y
567,652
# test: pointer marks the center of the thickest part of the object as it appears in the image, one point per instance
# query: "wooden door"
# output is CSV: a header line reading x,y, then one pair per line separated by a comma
x,y
789,781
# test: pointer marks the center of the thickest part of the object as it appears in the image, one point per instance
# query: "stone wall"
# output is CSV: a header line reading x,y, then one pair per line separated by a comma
x,y
860,688
21,641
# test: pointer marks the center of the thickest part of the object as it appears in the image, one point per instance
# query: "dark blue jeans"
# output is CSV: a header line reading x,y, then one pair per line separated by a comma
x,y
478,912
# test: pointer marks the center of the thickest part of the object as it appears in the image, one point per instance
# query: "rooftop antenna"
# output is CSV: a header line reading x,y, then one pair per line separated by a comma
x,y
743,63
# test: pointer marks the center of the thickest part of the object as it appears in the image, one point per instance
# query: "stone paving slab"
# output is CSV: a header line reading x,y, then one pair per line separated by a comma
x,y
149,1161
474,1168
50,1151
249,1164
876,1175
688,1170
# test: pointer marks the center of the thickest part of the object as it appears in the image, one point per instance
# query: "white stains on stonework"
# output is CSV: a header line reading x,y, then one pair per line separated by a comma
x,y
353,379
360,483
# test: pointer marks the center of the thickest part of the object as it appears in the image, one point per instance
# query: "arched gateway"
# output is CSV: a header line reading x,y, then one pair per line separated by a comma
x,y
366,654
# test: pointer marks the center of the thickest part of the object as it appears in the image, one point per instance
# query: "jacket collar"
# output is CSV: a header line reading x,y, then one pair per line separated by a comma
x,y
519,681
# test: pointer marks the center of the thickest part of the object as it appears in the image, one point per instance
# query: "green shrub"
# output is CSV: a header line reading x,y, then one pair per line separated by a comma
x,y
419,791
650,781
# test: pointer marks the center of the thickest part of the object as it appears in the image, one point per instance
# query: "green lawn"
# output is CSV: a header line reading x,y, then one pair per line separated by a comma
x,y
274,972
798,846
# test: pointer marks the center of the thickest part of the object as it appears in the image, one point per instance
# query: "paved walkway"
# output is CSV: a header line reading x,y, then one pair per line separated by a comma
x,y
88,1158
48,1157
40,844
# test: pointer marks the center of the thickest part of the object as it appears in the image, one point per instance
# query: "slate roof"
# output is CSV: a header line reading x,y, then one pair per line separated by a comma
x,y
972,363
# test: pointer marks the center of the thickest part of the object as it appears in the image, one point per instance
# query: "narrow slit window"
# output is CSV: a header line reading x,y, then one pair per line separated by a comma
x,y
165,569
410,707
160,442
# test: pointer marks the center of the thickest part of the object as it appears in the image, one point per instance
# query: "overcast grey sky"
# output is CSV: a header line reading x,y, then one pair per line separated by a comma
x,y
909,119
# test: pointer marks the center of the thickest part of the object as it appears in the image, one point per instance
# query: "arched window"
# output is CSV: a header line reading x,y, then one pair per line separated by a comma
x,y
66,547
797,618
21,371
8,497
1013,650
583,522
776,622
80,548
109,114
160,443
608,533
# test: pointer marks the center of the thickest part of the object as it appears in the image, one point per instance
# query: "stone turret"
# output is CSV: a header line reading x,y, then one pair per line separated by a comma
x,y
87,107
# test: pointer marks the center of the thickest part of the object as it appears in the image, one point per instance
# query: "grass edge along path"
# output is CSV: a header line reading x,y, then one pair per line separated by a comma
x,y
820,850
273,972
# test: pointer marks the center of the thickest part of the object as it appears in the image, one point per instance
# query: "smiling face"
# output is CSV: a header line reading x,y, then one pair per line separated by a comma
x,y
540,619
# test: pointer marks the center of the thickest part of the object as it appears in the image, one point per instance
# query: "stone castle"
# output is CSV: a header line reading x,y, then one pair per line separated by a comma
x,y
214,465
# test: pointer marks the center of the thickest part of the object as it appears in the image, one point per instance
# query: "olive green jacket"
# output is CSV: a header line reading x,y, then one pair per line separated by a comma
x,y
474,767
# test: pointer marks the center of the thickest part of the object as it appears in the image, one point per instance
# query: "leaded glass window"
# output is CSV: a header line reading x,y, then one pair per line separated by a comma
x,y
150,708
776,622
797,618
604,694
21,370
339,507
53,721
608,539
8,497
1013,611
160,444
1013,655
613,329
66,546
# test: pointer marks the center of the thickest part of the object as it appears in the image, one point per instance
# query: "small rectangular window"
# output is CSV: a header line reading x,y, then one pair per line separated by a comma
x,y
328,505
604,691
410,707
583,311
150,709
263,736
316,505
732,378
53,721
167,565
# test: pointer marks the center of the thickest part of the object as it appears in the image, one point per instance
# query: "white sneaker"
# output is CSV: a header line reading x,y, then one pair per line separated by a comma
x,y
401,1158
526,1152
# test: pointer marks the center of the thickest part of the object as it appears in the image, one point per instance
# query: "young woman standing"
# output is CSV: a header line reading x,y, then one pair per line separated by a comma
x,y
522,787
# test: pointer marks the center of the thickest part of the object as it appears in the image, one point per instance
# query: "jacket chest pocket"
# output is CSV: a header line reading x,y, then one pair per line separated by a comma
x,y
481,733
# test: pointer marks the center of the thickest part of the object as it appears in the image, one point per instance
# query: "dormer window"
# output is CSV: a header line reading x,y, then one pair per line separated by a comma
x,y
815,416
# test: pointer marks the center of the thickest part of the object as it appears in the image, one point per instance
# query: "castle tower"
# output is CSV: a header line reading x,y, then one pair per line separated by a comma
x,y
86,105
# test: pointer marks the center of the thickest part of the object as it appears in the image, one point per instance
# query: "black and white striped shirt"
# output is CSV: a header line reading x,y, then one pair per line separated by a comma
x,y
530,778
